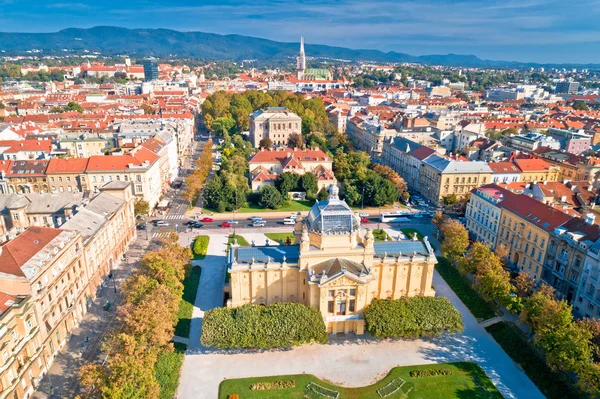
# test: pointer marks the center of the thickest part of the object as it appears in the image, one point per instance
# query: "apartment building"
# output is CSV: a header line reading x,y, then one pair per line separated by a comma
x,y
441,177
107,227
67,175
567,251
587,300
406,158
139,166
483,213
275,123
23,358
525,228
369,134
27,177
47,264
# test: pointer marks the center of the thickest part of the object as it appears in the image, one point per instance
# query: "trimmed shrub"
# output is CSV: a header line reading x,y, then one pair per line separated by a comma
x,y
200,247
412,317
269,385
429,373
280,325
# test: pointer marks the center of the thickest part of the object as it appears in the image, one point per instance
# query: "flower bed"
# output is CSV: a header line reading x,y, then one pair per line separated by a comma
x,y
430,373
269,385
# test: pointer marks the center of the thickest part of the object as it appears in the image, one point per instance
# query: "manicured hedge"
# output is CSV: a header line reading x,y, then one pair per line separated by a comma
x,y
200,247
280,325
412,317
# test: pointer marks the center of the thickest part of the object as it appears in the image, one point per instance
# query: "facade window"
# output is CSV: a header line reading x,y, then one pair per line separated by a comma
x,y
351,305
331,293
15,216
330,307
341,307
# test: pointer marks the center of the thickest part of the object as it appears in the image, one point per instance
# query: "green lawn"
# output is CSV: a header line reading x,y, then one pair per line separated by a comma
x,y
468,381
461,286
380,235
288,206
280,237
167,368
409,233
242,242
186,305
517,346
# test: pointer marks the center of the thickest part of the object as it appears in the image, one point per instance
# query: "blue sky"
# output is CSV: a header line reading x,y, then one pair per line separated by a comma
x,y
520,30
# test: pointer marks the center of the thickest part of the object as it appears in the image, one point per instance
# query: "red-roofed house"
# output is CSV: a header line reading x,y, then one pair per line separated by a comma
x,y
25,149
67,174
266,165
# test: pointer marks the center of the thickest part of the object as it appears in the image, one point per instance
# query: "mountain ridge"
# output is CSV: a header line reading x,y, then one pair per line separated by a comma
x,y
111,40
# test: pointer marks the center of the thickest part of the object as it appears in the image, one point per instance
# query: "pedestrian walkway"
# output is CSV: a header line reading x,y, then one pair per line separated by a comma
x,y
173,217
84,345
164,234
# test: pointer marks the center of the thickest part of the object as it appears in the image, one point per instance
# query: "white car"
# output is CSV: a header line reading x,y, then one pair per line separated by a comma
x,y
363,215
162,223
289,221
232,222
255,218
259,223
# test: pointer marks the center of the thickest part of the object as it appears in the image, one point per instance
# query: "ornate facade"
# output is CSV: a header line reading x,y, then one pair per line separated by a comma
x,y
332,266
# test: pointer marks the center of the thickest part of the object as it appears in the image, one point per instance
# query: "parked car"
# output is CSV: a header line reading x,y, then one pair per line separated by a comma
x,y
141,226
161,223
364,220
259,223
232,221
225,224
363,215
207,220
289,221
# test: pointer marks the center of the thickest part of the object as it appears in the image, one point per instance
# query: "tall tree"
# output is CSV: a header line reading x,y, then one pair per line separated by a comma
x,y
456,240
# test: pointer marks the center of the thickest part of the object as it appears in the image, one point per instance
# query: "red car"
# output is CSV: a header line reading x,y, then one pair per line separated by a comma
x,y
225,224
365,220
208,220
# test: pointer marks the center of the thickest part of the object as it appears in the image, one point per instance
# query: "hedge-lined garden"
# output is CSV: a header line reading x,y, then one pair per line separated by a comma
x,y
167,369
412,317
200,247
280,325
186,305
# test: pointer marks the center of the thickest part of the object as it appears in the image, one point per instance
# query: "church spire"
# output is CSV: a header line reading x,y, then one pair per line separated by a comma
x,y
301,59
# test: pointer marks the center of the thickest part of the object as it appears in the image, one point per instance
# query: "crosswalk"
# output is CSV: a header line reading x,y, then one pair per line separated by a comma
x,y
161,235
173,217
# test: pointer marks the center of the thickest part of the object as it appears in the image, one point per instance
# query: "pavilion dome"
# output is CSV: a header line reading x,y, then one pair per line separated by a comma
x,y
332,216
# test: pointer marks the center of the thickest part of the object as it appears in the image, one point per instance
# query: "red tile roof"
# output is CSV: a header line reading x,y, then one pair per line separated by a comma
x,y
504,167
6,301
17,252
67,165
280,154
532,165
26,145
543,216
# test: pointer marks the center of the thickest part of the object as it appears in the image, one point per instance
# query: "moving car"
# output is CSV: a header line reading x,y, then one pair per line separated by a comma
x,y
225,224
196,225
207,220
363,215
289,221
259,223
255,218
364,220
141,226
232,221
161,223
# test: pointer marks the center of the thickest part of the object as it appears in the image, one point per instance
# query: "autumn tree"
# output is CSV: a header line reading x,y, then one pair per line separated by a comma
x,y
456,240
266,143
524,284
141,207
295,140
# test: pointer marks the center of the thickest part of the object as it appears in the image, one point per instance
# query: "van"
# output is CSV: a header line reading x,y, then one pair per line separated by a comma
x,y
289,221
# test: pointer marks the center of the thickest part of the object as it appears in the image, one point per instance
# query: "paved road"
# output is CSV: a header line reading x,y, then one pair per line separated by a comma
x,y
358,362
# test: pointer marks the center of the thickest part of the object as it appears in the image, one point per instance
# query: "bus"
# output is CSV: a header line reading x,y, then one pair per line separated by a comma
x,y
395,216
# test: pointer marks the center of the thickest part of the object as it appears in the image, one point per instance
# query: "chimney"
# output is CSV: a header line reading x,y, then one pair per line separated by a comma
x,y
589,219
545,183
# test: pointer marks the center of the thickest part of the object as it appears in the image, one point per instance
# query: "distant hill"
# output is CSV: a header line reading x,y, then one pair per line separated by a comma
x,y
111,40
